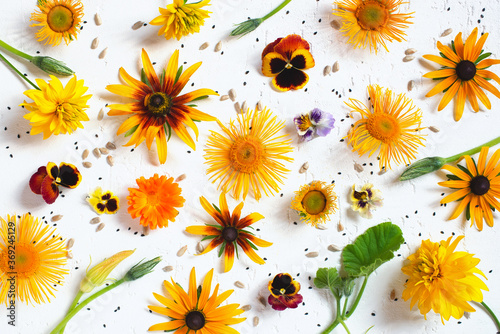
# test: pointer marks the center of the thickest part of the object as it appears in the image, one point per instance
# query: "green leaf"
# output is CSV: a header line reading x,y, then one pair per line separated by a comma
x,y
327,278
178,75
129,132
371,249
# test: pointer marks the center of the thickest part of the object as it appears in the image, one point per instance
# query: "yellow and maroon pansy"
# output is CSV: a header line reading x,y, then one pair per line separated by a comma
x,y
285,59
284,292
104,202
46,180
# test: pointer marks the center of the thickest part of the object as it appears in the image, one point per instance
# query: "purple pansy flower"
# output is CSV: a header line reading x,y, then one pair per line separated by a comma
x,y
314,124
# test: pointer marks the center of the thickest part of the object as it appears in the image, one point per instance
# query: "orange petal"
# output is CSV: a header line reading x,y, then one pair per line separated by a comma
x,y
469,45
150,71
460,103
459,45
250,252
289,44
440,60
170,73
448,52
487,63
442,86
228,257
203,230
450,93
183,99
461,207
184,78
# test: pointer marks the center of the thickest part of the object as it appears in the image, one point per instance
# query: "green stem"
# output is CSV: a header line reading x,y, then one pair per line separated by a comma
x,y
17,71
72,306
277,9
345,326
331,327
71,314
15,51
493,316
358,298
345,306
472,151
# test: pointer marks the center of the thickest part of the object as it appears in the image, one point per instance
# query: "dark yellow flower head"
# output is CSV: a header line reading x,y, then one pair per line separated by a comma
x,y
315,202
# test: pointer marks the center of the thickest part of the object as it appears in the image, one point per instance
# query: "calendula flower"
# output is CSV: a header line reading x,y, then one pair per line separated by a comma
x,y
284,292
249,154
104,202
392,124
230,233
372,22
56,109
285,59
155,201
315,202
47,179
58,19
181,18
365,200
315,123
478,187
463,73
158,109
196,311
443,280
38,263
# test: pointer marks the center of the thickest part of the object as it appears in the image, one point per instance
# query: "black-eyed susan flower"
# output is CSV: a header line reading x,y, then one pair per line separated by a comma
x,y
56,109
230,232
196,311
285,60
158,108
47,179
58,19
315,123
155,201
315,202
249,154
478,187
392,124
181,18
366,200
38,263
104,202
284,292
443,280
463,73
372,22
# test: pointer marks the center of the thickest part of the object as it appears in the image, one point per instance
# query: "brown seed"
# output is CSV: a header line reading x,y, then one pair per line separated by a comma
x,y
85,154
103,53
95,220
110,146
246,308
411,85
408,58
69,255
304,167
95,43
104,150
182,251
340,227
259,106
312,254
137,25
110,160
255,321
382,171
200,247
180,178
447,32
335,24
56,218
100,116
336,67
87,164
232,94
224,97
327,70
168,268
410,51
218,47
204,46
100,227
96,152
145,230
358,168
97,19
467,315
70,243
333,248
239,284
244,107
393,294
434,128
322,227
263,301
237,107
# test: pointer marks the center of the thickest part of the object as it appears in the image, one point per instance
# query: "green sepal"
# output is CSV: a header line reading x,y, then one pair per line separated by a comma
x,y
442,55
162,76
464,169
192,106
467,212
481,57
251,233
236,249
216,208
200,98
251,244
216,226
208,237
178,75
222,248
453,177
144,78
454,50
198,291
132,130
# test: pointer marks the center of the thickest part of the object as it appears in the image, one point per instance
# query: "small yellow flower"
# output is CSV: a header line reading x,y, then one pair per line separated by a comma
x,y
104,202
315,202
180,18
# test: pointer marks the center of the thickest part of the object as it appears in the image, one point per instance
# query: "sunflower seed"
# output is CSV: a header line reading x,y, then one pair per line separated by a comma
x,y
104,151
244,107
411,85
237,107
382,171
304,167
87,164
145,230
70,243
433,128
246,308
333,248
312,254
255,321
408,58
263,301
182,251
95,220
96,152
168,268
447,32
327,70
180,178
232,94
335,24
340,227
56,218
336,67
224,97
467,315
110,160
69,255
137,25
239,284
218,47
200,248
110,146
85,154
410,51
204,46
259,106
322,227
393,294
100,227
97,19
358,168
95,43
100,116
103,53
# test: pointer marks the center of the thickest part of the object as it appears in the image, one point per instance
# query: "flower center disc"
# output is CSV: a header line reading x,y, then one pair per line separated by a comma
x,y
466,70
314,202
27,261
195,320
372,15
60,19
230,233
383,127
479,185
152,198
246,155
158,103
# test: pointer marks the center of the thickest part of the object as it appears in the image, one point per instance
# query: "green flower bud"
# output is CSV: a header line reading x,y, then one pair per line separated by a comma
x,y
51,65
246,27
422,167
141,269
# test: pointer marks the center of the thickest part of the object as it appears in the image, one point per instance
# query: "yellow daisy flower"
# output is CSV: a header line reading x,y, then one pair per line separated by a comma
x,y
104,202
372,22
196,311
249,154
315,202
56,109
392,124
443,280
181,19
58,19
40,255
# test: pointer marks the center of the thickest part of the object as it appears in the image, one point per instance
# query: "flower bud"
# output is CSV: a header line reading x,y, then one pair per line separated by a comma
x,y
51,65
246,27
141,269
422,167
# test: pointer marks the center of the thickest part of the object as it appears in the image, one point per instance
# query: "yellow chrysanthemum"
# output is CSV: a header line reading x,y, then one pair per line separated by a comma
x,y
391,125
249,154
59,19
56,109
181,18
372,22
443,280
315,202
37,265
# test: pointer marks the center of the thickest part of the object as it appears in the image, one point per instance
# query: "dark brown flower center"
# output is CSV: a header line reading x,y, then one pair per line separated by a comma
x,y
195,320
158,103
479,185
466,70
230,233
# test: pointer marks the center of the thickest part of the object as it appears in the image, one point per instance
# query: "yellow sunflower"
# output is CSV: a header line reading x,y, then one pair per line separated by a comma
x,y
59,19
315,202
372,22
463,73
158,110
443,280
181,19
56,109
478,187
249,154
32,257
196,311
392,124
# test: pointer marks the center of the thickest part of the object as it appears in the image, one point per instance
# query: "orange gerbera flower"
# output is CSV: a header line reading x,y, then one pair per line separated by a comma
x,y
230,232
155,201
158,109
